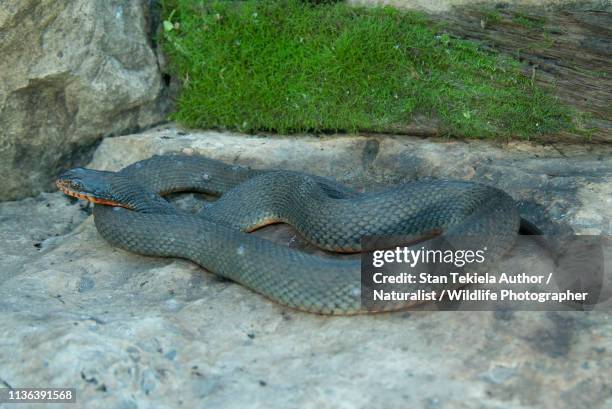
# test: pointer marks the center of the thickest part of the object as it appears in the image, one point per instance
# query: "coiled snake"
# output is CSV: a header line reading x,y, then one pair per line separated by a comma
x,y
131,214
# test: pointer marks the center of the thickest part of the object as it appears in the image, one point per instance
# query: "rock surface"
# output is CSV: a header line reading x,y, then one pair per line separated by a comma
x,y
71,72
140,332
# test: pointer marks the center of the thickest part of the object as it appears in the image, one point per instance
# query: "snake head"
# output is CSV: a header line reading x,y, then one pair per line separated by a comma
x,y
88,184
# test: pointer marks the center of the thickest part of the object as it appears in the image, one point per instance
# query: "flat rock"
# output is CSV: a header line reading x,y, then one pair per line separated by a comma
x,y
129,331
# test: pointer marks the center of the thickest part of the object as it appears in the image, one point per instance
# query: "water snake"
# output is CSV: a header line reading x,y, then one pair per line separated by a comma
x,y
132,214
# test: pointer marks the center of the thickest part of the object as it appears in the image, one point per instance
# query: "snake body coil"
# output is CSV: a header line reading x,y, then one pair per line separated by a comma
x,y
326,213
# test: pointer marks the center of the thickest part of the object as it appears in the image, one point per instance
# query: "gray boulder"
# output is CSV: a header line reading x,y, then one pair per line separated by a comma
x,y
71,72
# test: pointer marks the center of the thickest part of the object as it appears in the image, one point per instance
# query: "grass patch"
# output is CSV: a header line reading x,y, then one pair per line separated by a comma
x,y
530,22
289,66
492,17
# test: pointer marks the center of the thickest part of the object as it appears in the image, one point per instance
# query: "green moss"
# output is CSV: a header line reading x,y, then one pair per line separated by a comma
x,y
289,66
492,16
531,22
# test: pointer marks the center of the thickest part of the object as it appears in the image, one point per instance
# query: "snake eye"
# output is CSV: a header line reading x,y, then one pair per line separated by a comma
x,y
76,185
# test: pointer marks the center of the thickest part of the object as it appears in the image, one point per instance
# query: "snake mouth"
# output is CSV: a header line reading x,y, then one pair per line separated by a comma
x,y
61,185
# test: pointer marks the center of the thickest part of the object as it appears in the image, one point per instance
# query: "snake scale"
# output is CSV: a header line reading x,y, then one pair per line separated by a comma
x,y
131,213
